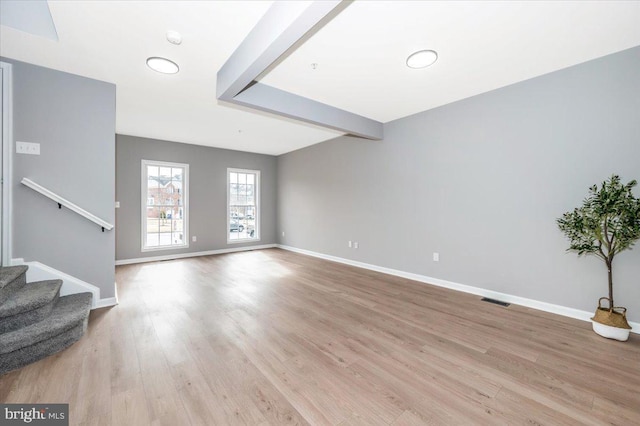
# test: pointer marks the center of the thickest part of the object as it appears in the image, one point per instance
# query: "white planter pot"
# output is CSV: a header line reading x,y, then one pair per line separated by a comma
x,y
609,332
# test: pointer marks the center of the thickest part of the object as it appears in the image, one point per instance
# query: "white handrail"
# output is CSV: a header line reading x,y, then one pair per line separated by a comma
x,y
68,204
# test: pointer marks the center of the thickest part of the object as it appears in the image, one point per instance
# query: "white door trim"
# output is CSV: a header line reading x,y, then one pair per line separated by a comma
x,y
7,159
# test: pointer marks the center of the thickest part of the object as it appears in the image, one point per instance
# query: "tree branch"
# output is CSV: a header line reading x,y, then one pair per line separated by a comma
x,y
600,253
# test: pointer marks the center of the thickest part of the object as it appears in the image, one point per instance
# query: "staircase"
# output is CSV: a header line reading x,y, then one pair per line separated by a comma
x,y
35,321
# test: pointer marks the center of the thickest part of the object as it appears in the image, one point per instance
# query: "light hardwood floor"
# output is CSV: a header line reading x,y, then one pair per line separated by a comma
x,y
273,337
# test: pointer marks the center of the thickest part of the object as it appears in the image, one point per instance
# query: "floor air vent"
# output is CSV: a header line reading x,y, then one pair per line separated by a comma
x,y
497,302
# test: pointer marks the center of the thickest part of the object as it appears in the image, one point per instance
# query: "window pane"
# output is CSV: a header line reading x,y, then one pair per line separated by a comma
x,y
250,195
233,177
152,240
152,172
176,174
233,228
177,238
165,239
164,219
165,173
251,178
242,199
152,220
152,185
177,186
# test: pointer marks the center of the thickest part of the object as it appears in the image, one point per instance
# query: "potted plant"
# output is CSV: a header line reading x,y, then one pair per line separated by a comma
x,y
607,223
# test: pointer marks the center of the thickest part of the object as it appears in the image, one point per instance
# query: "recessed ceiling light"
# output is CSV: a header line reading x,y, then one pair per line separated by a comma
x,y
162,65
422,59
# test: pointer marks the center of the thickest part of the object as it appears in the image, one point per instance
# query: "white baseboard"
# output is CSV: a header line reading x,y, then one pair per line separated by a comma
x,y
516,300
105,303
70,285
193,254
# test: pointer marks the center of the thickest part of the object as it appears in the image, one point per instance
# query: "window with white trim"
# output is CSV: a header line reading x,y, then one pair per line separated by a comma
x,y
164,205
243,205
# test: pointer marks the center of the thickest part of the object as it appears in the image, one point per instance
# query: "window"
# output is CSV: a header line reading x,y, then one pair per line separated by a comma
x,y
165,206
243,201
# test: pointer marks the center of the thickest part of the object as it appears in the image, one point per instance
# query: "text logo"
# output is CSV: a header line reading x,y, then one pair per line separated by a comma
x,y
34,414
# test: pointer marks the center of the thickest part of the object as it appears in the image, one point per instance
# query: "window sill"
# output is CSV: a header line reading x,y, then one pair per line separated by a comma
x,y
162,248
246,240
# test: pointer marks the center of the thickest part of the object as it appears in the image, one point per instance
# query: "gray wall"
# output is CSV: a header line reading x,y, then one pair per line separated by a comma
x,y
481,181
73,120
207,193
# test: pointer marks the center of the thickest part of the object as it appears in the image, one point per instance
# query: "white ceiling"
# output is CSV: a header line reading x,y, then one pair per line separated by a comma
x,y
481,46
360,56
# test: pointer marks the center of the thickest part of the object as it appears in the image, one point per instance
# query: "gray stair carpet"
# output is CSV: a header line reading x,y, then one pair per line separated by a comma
x,y
65,325
11,279
29,304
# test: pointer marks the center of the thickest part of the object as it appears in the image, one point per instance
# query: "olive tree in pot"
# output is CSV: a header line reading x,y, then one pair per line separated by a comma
x,y
607,223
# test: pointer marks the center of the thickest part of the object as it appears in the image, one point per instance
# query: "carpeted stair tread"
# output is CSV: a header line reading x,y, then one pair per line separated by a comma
x,y
31,296
12,278
10,273
30,304
67,314
42,349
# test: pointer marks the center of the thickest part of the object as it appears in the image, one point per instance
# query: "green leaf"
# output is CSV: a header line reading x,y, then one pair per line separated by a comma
x,y
607,223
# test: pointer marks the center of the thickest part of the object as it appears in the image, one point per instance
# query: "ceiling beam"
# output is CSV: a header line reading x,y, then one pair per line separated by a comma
x,y
284,27
270,99
33,17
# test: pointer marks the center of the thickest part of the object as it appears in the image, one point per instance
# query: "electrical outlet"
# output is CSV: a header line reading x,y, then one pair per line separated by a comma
x,y
194,238
350,244
436,257
117,204
356,245
27,148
